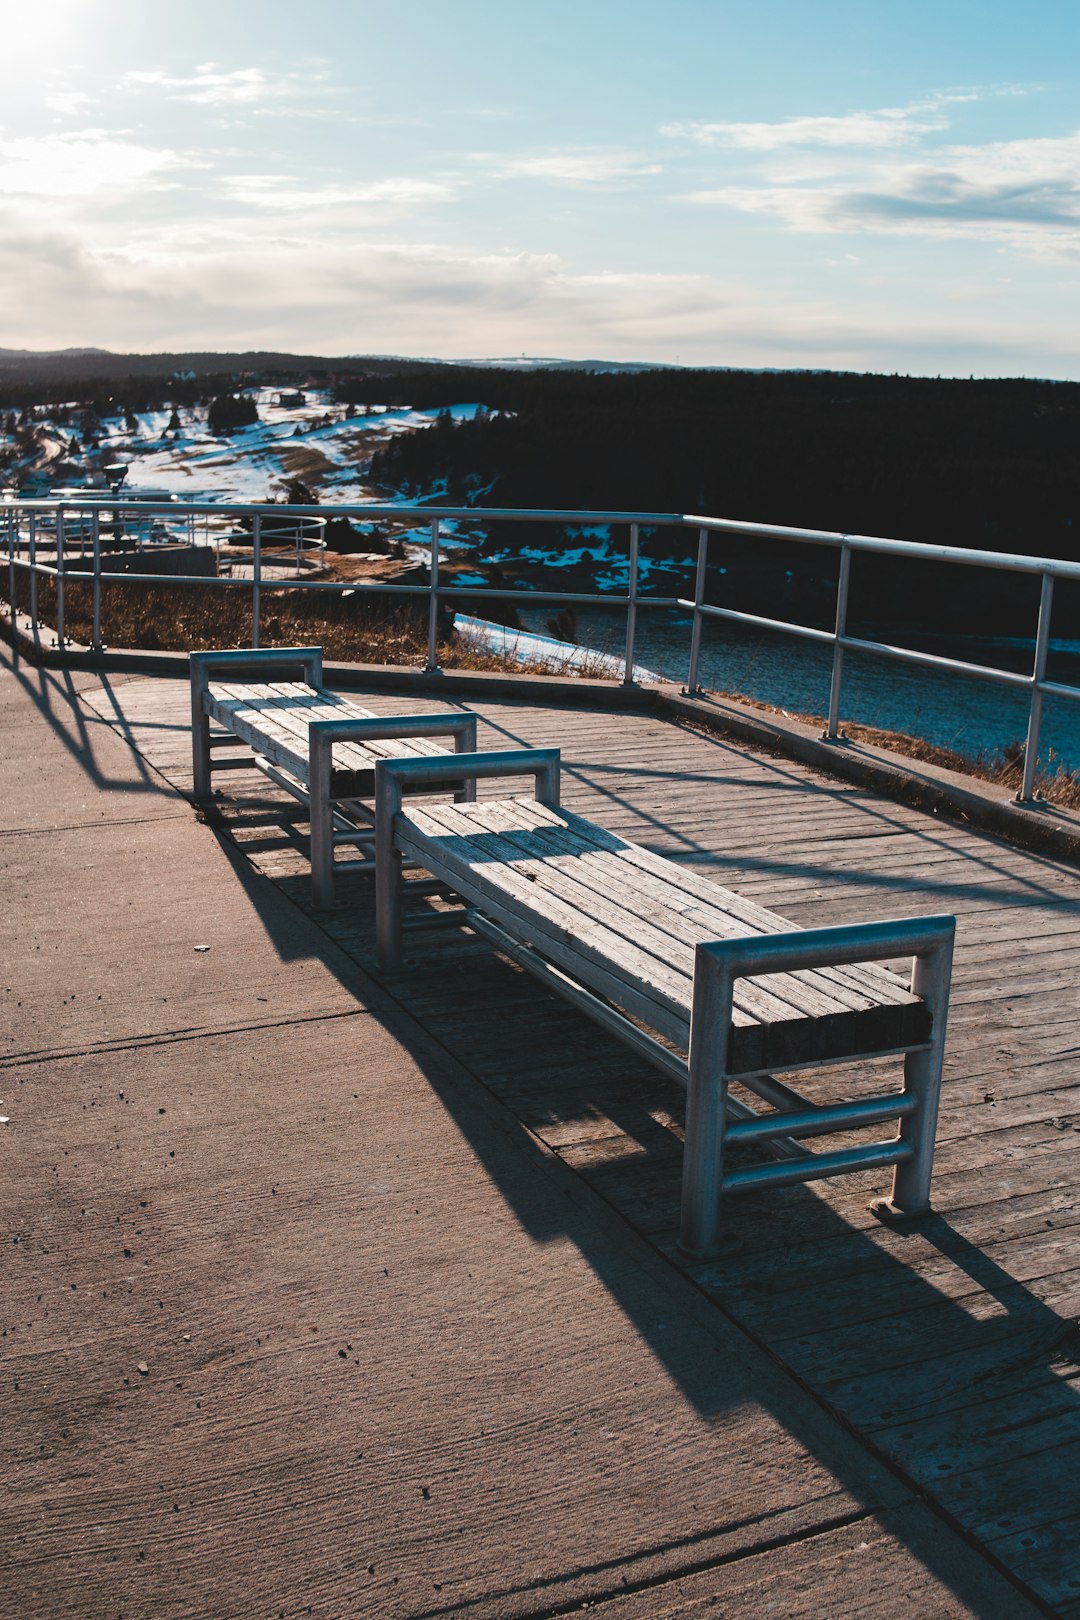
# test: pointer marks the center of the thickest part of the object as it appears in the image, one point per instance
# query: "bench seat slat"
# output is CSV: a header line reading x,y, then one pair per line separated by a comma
x,y
274,719
781,1004
642,985
742,916
783,1001
751,917
886,1002
554,875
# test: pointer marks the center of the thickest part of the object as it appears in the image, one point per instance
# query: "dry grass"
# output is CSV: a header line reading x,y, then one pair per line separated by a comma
x,y
190,618
1053,781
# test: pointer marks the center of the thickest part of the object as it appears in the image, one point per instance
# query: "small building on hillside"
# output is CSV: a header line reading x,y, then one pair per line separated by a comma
x,y
291,401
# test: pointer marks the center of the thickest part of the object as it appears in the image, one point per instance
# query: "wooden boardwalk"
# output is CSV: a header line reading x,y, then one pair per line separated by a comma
x,y
951,1347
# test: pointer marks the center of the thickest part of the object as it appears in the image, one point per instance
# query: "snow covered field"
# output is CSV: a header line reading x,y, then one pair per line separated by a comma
x,y
316,441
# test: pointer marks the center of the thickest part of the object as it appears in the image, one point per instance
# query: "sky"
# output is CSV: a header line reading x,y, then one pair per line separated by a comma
x,y
889,186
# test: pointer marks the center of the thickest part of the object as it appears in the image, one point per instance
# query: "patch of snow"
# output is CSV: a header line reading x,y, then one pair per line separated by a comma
x,y
529,647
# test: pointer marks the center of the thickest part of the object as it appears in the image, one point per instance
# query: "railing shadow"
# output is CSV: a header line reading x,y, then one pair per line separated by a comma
x,y
54,694
549,1070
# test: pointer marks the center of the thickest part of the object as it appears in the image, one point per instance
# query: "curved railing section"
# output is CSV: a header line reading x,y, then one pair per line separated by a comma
x,y
67,539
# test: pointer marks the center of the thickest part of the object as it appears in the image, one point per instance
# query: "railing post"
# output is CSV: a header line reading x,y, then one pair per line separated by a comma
x,y
832,725
631,607
692,684
1042,648
433,603
34,630
12,571
95,640
60,579
256,576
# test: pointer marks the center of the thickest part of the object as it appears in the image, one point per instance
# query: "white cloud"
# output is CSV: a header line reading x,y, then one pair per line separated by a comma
x,y
884,127
68,102
254,291
575,167
210,85
80,164
1024,192
282,192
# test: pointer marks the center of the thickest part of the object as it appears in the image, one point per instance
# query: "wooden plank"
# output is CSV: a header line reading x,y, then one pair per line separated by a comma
x,y
713,906
843,1020
280,715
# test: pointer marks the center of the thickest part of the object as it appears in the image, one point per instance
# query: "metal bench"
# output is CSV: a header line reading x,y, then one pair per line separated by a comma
x,y
643,946
319,746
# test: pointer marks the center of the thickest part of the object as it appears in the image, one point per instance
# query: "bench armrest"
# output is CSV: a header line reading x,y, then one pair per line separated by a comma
x,y
252,662
393,777
462,727
717,965
830,947
323,734
255,661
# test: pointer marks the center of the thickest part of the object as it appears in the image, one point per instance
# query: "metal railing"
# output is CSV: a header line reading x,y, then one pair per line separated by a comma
x,y
72,530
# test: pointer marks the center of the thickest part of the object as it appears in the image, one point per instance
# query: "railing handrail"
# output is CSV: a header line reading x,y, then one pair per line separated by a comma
x,y
431,515
965,556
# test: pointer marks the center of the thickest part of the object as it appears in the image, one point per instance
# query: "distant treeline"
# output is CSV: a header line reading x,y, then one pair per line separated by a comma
x,y
983,464
988,465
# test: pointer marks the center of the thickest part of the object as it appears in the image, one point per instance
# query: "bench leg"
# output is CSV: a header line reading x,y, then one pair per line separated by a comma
x,y
930,979
387,870
706,1110
321,822
200,743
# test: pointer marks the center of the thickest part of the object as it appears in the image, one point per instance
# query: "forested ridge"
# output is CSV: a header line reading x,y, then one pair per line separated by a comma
x,y
991,465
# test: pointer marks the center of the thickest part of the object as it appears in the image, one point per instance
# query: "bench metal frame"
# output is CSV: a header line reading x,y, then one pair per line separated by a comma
x,y
714,1118
334,820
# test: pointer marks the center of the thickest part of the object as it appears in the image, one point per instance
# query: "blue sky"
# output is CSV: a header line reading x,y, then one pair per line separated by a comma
x,y
886,187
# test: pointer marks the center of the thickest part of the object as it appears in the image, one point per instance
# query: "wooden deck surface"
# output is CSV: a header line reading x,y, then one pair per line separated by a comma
x,y
951,1346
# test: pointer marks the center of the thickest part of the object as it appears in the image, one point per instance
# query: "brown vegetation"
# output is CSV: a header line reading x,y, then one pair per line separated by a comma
x,y
190,618
1053,781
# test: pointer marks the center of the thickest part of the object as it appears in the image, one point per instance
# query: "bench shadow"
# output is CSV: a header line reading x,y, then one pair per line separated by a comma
x,y
557,1088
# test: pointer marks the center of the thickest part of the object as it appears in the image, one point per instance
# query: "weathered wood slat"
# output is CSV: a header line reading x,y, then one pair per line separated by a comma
x,y
648,916
274,718
727,914
527,858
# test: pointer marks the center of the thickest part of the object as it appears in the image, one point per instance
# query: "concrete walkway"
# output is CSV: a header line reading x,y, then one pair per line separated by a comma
x,y
273,1339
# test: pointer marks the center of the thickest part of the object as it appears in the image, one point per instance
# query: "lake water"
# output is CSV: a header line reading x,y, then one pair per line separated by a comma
x,y
972,716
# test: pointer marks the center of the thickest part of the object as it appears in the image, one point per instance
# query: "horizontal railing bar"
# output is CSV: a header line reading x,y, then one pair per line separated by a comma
x,y
760,623
579,517
816,1166
346,587
956,666
964,556
849,1116
606,599
1014,562
883,649
1055,689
